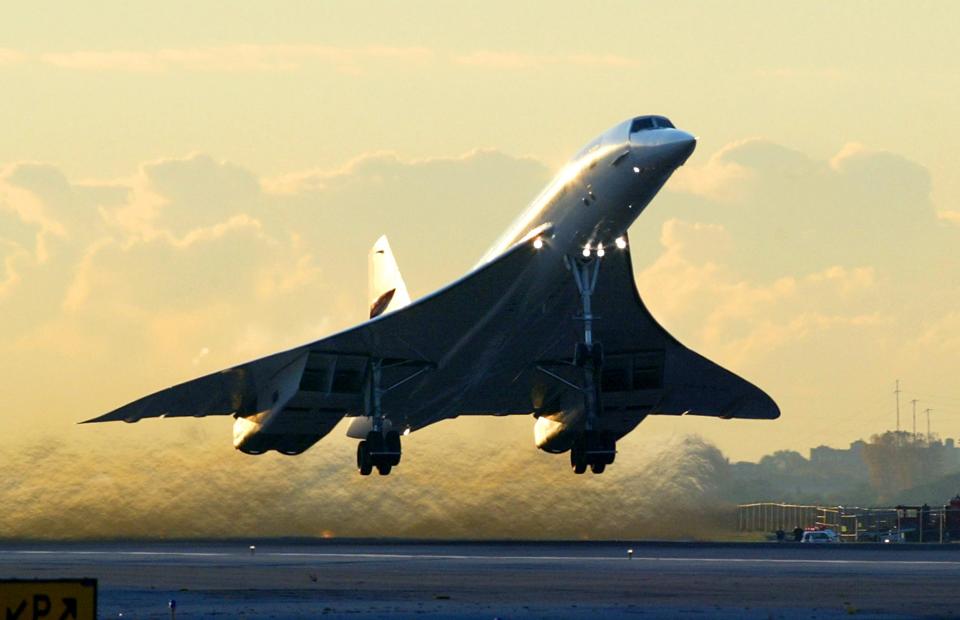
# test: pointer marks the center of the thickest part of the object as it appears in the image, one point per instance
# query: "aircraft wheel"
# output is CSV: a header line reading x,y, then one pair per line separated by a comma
x,y
392,444
578,457
598,468
364,465
384,469
375,441
610,443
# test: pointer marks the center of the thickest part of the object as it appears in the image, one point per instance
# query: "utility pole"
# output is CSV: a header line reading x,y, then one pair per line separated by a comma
x,y
914,402
929,436
897,392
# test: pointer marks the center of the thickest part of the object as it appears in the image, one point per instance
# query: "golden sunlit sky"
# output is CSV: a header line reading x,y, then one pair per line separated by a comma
x,y
185,186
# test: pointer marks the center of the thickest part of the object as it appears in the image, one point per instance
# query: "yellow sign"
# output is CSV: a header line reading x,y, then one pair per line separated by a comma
x,y
50,599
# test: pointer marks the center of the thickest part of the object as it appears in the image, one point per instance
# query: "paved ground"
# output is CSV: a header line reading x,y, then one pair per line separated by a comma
x,y
390,579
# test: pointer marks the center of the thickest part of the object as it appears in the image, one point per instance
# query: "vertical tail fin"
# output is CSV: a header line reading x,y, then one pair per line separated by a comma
x,y
386,290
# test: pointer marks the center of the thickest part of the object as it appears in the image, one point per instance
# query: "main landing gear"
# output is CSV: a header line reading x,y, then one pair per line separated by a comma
x,y
381,448
594,448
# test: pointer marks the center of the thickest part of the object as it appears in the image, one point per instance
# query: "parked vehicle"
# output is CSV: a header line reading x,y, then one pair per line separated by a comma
x,y
820,536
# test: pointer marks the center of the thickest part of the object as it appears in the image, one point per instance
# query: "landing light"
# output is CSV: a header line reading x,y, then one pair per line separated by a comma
x,y
621,243
538,243
636,170
406,431
586,251
600,251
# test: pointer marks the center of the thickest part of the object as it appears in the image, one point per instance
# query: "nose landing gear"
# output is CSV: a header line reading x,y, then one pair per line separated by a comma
x,y
594,448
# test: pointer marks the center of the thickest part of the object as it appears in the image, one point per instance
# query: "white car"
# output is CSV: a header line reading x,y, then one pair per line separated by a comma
x,y
822,536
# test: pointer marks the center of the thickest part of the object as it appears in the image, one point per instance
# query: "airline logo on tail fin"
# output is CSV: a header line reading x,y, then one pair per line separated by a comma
x,y
386,290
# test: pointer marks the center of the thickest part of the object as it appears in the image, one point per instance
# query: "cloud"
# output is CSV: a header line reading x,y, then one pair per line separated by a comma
x,y
801,73
468,201
746,320
519,60
10,276
942,334
234,58
950,216
860,207
286,57
10,57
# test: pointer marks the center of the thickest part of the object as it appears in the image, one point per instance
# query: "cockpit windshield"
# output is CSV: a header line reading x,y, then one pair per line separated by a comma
x,y
643,123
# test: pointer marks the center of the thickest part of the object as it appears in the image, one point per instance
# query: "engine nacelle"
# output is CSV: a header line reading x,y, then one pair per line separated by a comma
x,y
250,437
278,421
556,432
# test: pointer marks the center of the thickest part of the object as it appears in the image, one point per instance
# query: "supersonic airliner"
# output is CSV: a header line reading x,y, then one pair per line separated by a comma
x,y
548,323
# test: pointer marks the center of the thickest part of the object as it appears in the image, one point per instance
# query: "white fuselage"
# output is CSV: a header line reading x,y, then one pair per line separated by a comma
x,y
594,199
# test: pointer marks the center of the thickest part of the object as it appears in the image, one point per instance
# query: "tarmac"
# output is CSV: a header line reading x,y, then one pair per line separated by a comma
x,y
516,579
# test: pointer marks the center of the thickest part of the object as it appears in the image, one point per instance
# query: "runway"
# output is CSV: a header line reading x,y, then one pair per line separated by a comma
x,y
396,579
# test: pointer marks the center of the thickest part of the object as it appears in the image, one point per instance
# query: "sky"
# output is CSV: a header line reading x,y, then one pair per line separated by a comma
x,y
187,186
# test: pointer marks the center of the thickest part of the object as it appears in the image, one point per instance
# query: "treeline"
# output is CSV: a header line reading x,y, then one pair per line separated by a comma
x,y
888,468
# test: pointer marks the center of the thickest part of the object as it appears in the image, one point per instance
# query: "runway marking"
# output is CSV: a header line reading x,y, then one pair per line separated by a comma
x,y
494,558
566,558
147,553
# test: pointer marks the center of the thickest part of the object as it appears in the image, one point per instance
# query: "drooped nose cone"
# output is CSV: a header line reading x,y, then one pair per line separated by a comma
x,y
669,147
678,148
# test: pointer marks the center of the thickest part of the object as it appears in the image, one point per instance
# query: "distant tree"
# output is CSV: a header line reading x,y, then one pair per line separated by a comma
x,y
784,461
899,460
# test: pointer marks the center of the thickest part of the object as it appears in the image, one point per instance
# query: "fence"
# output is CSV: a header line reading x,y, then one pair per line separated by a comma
x,y
855,524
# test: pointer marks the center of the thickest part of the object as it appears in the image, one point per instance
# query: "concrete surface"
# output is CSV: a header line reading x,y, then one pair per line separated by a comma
x,y
396,579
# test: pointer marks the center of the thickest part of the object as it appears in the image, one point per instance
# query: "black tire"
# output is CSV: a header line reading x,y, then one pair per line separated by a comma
x,y
598,468
580,468
384,469
363,459
375,441
578,455
610,443
392,444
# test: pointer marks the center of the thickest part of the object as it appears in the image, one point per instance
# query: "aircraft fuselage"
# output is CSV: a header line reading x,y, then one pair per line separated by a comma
x,y
595,198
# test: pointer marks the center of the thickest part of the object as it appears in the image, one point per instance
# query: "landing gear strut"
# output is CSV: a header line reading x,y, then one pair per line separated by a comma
x,y
594,448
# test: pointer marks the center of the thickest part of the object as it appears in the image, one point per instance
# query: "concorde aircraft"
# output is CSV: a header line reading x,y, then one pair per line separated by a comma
x,y
549,323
